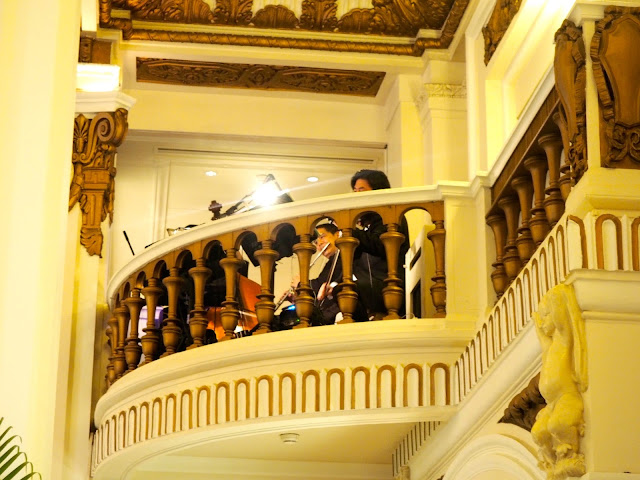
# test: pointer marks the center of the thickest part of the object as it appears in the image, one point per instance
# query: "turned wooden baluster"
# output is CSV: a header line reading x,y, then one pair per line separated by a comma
x,y
392,293
230,314
171,331
537,166
112,333
565,182
198,319
499,278
119,363
304,293
511,258
524,243
439,287
151,339
553,203
132,349
347,296
265,307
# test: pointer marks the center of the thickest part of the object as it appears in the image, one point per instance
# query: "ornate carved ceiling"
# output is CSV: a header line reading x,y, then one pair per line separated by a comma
x,y
396,27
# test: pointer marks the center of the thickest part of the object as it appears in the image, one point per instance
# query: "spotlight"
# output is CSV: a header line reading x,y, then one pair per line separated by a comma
x,y
210,173
312,179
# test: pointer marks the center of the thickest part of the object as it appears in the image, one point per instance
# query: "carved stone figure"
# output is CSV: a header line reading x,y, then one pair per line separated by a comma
x,y
563,378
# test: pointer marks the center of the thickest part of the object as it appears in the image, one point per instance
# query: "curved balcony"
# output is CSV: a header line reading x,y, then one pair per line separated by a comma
x,y
169,389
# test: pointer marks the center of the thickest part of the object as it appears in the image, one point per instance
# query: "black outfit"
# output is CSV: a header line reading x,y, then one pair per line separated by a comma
x,y
370,262
328,306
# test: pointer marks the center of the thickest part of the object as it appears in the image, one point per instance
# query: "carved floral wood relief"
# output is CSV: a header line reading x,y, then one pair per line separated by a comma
x,y
93,180
570,79
616,69
403,18
498,23
267,77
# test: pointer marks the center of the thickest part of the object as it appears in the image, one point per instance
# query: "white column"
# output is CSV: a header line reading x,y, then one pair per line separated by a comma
x,y
405,160
39,41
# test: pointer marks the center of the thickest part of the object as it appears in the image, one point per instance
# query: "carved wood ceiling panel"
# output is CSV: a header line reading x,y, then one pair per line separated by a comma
x,y
265,77
394,27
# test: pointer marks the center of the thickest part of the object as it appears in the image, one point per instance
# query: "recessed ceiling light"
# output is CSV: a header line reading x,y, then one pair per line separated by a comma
x,y
210,173
289,438
312,179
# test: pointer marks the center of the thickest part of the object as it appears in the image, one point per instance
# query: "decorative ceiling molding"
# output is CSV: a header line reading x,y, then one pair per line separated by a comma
x,y
497,25
263,77
382,26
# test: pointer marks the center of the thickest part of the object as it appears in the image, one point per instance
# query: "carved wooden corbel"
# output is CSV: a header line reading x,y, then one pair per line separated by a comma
x,y
497,26
570,74
93,181
524,407
616,65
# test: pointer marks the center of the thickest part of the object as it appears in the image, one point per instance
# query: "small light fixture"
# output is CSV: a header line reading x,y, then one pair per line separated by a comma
x,y
312,179
210,173
289,438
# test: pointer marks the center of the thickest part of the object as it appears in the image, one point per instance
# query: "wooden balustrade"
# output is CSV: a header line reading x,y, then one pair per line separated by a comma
x,y
528,198
182,279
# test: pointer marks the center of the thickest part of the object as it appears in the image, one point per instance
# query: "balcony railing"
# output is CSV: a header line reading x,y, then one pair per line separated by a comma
x,y
528,198
175,273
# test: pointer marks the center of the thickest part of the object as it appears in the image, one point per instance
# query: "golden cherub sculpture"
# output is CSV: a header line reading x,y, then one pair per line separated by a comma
x,y
563,378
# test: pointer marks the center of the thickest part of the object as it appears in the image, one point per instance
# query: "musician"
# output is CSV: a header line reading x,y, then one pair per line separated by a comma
x,y
370,259
331,274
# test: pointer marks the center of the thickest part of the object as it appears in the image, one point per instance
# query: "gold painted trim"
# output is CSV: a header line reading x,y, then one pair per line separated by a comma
x,y
227,410
340,374
385,368
600,240
135,423
635,254
269,381
583,238
199,391
292,377
316,376
171,396
405,377
146,407
189,394
247,388
447,381
153,404
123,443
367,383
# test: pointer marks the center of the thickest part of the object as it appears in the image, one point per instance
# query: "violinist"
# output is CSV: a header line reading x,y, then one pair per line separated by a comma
x,y
331,274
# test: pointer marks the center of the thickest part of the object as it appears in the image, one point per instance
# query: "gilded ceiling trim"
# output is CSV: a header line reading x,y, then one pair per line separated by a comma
x,y
615,63
93,182
394,18
497,26
263,77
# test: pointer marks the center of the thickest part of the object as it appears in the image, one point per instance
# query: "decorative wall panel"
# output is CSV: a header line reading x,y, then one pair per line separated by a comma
x,y
265,77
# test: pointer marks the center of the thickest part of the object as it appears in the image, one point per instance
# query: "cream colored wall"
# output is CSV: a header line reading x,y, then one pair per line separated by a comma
x,y
36,126
501,91
237,113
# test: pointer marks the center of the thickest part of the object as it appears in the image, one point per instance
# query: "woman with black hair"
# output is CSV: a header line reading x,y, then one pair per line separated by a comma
x,y
370,259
